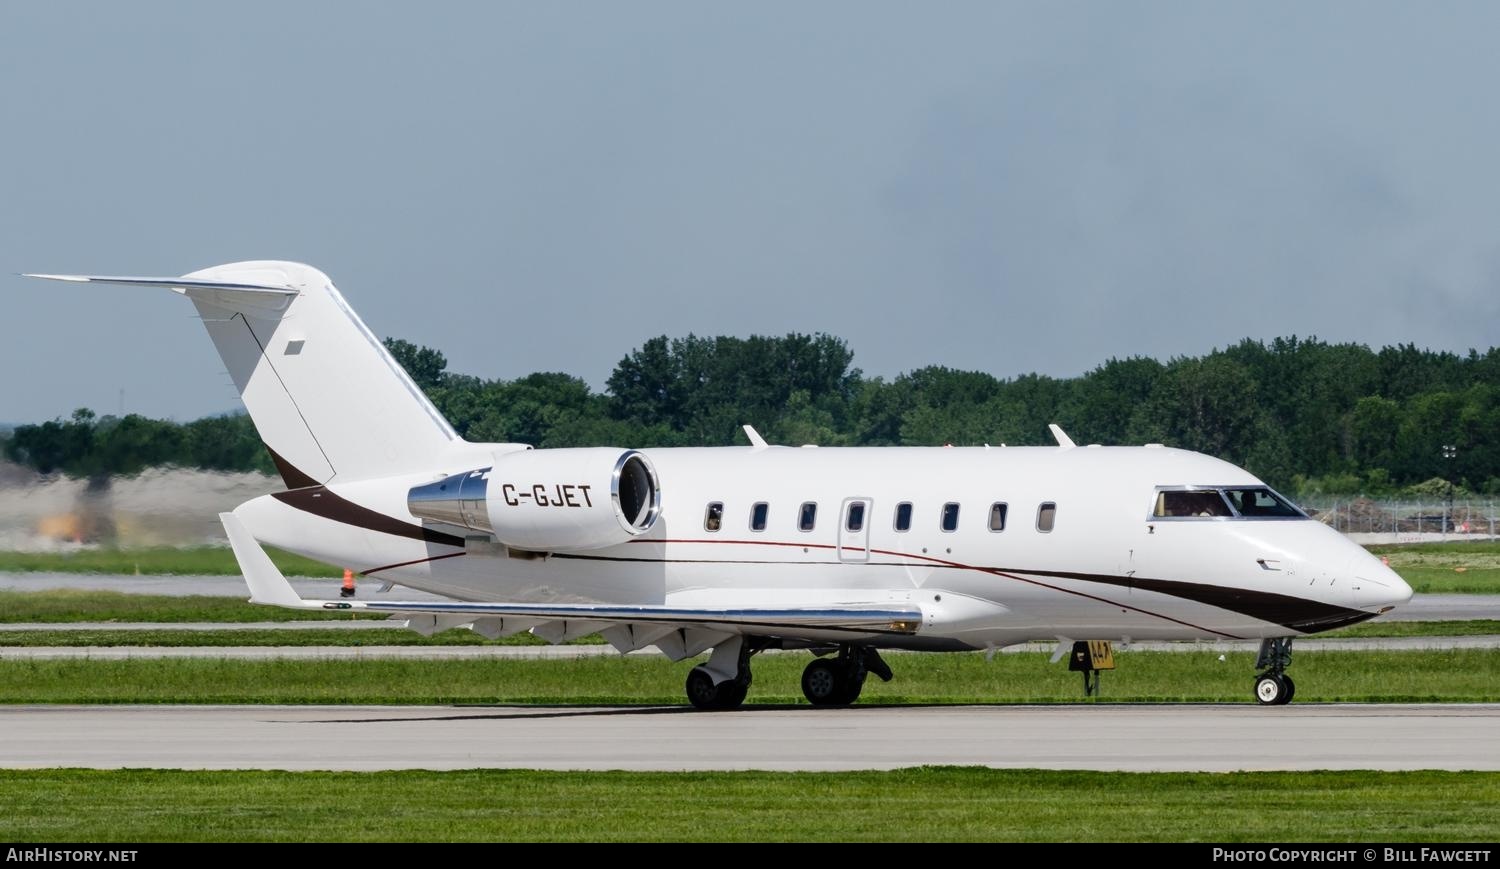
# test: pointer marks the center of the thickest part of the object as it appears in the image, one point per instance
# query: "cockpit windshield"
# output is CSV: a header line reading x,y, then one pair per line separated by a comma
x,y
1212,502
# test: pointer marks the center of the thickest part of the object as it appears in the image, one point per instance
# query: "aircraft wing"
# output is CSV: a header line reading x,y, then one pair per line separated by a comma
x,y
680,631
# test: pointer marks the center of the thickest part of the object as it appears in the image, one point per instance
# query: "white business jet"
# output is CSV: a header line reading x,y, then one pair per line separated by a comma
x,y
843,552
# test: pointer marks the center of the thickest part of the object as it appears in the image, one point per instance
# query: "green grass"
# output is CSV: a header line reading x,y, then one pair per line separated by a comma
x,y
156,561
166,636
268,637
1412,676
82,605
913,805
1446,568
1469,628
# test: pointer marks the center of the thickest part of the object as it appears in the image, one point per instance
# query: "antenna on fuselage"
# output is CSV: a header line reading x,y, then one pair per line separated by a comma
x,y
756,440
1062,437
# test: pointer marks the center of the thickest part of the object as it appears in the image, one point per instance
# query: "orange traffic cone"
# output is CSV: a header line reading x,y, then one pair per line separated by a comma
x,y
348,589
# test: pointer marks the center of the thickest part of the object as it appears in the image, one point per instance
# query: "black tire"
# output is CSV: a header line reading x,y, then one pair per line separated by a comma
x,y
732,694
852,689
1271,689
825,683
1291,688
701,690
704,694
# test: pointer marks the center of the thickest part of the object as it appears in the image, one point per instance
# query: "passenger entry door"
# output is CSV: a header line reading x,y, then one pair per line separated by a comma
x,y
854,530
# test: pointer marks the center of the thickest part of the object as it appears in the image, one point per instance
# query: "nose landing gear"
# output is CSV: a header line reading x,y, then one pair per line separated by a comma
x,y
1274,687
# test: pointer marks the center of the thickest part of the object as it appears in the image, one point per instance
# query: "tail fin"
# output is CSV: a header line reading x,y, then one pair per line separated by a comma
x,y
327,399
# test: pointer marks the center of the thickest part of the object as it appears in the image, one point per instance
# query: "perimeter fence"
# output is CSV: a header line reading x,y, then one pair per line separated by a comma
x,y
1463,518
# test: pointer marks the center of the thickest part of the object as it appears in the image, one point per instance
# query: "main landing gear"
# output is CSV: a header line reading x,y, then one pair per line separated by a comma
x,y
836,680
708,689
1274,687
704,694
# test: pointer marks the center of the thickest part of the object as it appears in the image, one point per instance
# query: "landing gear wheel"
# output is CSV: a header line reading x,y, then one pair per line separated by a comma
x,y
822,683
1273,689
830,682
732,694
853,688
701,690
704,694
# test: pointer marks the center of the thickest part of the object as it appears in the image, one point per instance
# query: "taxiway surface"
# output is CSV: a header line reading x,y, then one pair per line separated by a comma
x,y
1134,738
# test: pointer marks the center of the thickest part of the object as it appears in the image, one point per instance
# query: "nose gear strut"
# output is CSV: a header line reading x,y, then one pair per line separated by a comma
x,y
1274,687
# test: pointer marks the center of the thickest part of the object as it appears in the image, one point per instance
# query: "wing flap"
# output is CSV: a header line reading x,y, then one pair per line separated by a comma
x,y
882,618
628,637
268,586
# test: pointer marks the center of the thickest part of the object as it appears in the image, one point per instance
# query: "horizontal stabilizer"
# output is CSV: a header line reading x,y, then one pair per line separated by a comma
x,y
235,295
170,283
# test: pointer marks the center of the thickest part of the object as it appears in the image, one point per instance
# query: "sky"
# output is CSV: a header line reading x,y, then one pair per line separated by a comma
x,y
994,186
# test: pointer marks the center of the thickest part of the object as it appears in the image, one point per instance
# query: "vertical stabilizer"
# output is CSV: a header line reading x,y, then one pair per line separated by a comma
x,y
327,399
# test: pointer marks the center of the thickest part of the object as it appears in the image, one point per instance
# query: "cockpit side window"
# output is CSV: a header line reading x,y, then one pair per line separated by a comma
x,y
1190,503
1257,502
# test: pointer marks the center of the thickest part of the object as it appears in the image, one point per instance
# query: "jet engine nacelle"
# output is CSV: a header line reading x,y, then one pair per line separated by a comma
x,y
544,500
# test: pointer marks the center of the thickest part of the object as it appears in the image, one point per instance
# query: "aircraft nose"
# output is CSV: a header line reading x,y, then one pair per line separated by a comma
x,y
1378,587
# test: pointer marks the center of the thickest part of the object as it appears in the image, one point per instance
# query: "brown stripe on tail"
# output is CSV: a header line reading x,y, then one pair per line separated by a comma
x,y
293,478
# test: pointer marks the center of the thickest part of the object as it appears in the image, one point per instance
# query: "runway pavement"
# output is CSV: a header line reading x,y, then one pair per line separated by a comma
x,y
1447,608
1137,738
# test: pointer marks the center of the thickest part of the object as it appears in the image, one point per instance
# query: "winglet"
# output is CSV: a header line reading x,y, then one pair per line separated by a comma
x,y
1062,437
267,585
755,439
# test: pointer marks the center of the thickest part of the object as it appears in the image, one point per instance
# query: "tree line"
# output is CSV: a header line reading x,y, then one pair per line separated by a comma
x,y
1307,416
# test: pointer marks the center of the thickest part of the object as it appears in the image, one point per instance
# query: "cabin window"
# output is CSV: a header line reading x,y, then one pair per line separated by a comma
x,y
808,517
856,518
950,516
1046,515
903,516
713,517
758,516
997,516
1178,504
